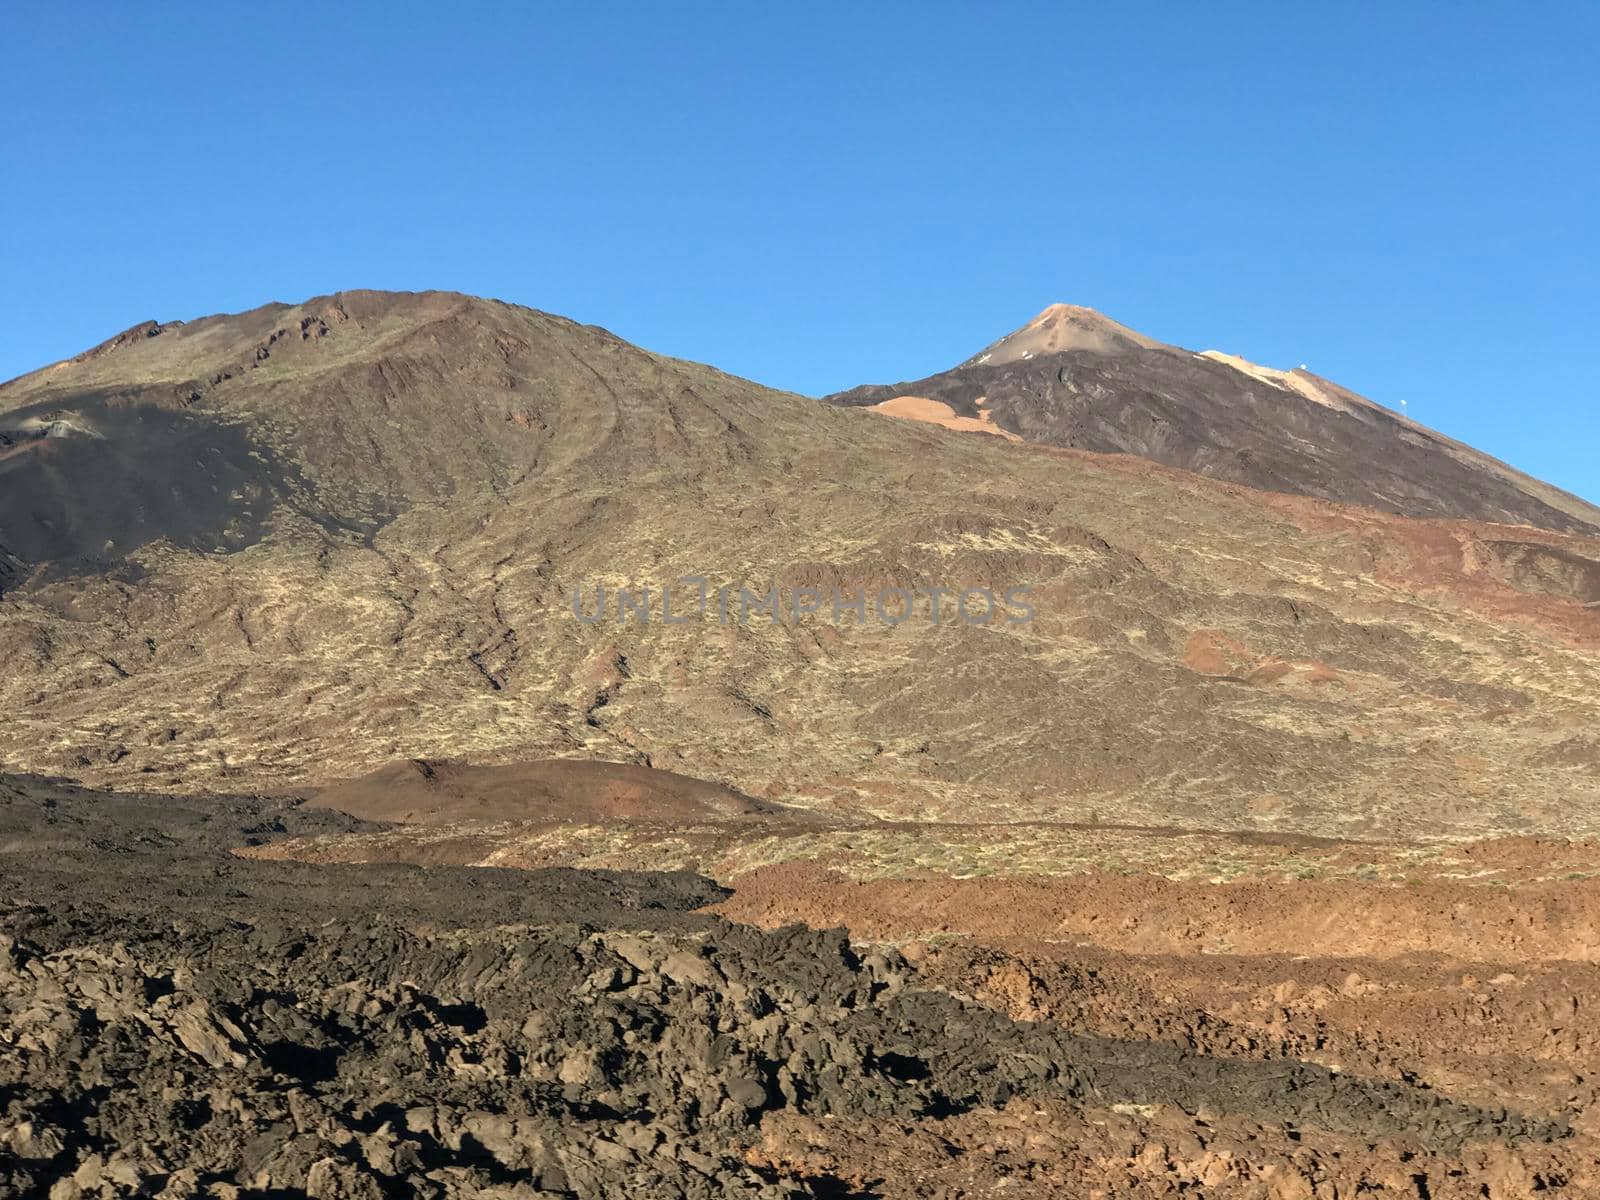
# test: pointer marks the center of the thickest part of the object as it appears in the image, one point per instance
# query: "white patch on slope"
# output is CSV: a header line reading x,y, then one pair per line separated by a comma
x,y
1300,381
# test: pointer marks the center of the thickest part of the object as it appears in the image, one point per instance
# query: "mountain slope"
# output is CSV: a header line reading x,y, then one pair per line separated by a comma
x,y
1074,378
343,411
387,505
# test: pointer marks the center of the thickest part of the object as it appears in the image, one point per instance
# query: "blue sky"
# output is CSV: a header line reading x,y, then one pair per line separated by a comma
x,y
1403,197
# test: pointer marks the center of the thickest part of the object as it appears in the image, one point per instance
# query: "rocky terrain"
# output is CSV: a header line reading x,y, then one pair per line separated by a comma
x,y
356,840
180,1021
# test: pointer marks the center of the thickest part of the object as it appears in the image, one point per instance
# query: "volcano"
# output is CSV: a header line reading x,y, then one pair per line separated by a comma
x,y
291,546
1074,378
1263,853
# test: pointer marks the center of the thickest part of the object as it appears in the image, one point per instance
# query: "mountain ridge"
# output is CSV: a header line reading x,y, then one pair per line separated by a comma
x,y
1075,378
314,539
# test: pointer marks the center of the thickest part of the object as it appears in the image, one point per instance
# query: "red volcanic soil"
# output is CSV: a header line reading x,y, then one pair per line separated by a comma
x,y
1148,914
424,792
1481,992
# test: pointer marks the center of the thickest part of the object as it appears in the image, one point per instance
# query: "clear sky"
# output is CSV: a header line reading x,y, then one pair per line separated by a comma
x,y
1403,197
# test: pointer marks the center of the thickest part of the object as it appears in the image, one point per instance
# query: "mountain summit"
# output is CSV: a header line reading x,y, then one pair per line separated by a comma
x,y
1060,328
1073,377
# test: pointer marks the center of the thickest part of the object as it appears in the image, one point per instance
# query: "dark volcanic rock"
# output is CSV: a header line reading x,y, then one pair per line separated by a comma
x,y
120,863
497,1033
82,488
